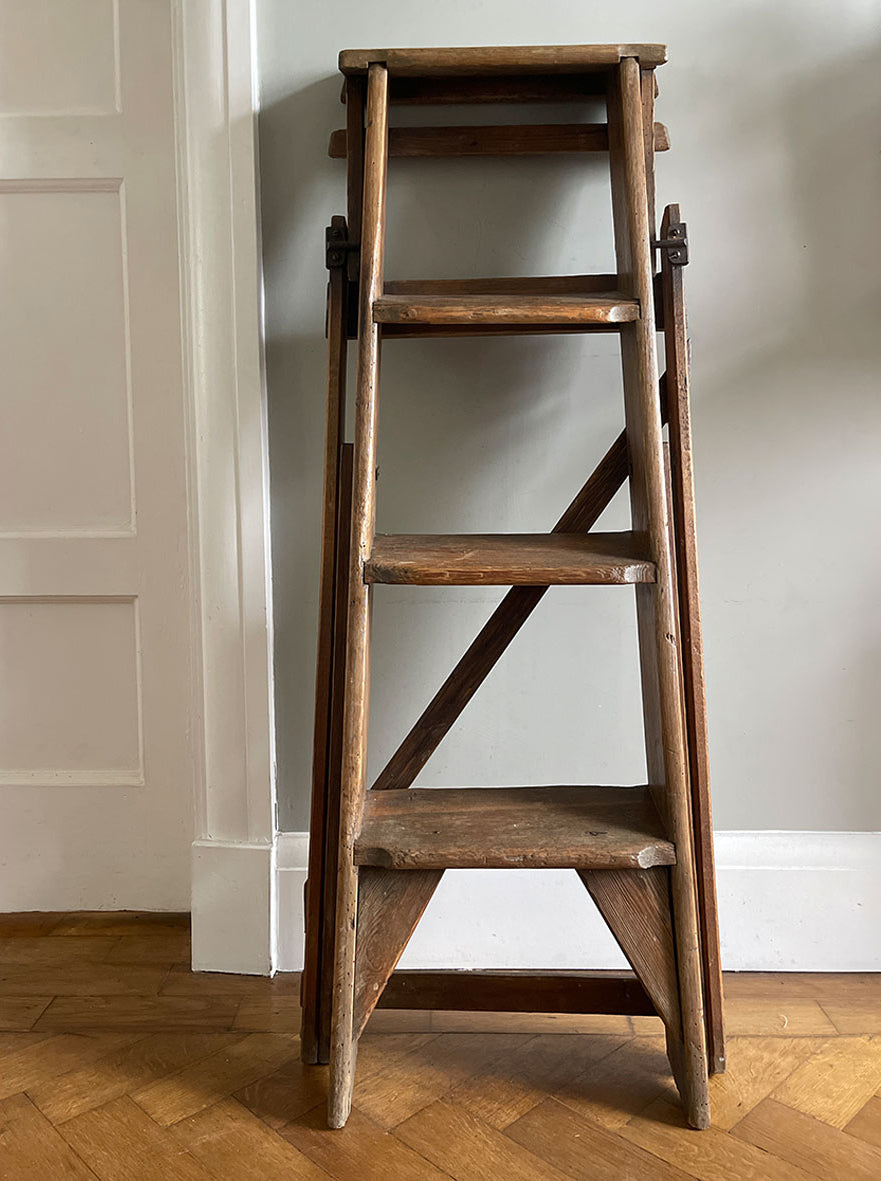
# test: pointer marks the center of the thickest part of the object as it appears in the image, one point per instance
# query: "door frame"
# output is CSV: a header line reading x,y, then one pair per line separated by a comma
x,y
234,851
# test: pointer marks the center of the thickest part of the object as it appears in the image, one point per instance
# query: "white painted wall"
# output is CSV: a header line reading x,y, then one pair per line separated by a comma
x,y
773,115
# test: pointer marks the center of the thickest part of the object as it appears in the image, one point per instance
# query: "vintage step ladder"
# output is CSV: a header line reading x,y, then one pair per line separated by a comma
x,y
644,853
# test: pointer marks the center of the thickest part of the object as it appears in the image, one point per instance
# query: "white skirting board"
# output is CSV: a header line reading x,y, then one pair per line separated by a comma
x,y
233,905
788,901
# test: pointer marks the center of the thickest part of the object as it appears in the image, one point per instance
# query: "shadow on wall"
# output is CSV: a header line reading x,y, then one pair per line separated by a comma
x,y
788,417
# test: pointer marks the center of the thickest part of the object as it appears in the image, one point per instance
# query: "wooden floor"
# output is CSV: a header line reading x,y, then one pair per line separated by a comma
x,y
117,1062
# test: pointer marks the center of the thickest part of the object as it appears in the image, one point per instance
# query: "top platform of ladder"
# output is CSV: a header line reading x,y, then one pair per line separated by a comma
x,y
495,59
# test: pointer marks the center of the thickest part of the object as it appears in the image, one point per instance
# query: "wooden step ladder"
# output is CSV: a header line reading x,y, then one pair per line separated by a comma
x,y
644,853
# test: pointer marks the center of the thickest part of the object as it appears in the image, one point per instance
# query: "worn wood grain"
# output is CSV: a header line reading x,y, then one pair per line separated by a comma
x,y
286,1094
605,308
580,1149
808,1144
31,1064
756,1066
496,828
691,637
362,1149
214,1077
464,1146
357,662
529,139
21,1012
836,1082
866,1124
509,559
65,1095
120,922
498,59
119,1141
713,1156
620,1084
525,1078
517,992
602,1079
31,1148
413,1080
657,605
140,1013
636,907
80,979
325,770
389,907
229,1141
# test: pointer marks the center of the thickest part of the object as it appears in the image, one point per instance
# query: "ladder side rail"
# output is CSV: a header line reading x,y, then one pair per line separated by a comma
x,y
354,140
323,779
656,605
682,492
352,786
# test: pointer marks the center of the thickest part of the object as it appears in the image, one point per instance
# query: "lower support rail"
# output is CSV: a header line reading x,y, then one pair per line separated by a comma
x,y
518,992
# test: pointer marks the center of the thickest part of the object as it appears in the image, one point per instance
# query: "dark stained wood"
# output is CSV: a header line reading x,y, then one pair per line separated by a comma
x,y
517,992
509,559
529,139
418,331
498,59
604,308
515,285
357,663
682,491
335,761
498,88
512,827
652,143
390,905
657,606
323,775
355,90
636,907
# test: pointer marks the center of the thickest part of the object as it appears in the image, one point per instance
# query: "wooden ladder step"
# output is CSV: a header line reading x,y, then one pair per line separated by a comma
x,y
509,559
607,307
529,139
458,62
513,827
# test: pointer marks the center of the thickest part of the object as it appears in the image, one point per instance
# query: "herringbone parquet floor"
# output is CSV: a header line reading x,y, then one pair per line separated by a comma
x,y
117,1062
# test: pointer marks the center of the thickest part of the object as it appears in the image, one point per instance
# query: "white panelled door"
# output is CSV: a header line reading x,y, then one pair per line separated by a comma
x,y
96,750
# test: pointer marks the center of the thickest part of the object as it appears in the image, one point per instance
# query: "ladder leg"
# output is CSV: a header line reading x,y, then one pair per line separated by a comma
x,y
325,776
352,785
656,603
682,498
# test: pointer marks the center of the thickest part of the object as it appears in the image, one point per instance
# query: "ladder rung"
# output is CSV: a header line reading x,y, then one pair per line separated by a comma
x,y
517,992
513,827
522,88
528,139
509,559
611,307
508,285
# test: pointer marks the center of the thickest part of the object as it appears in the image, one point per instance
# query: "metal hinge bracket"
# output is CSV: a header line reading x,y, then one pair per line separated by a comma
x,y
337,245
676,244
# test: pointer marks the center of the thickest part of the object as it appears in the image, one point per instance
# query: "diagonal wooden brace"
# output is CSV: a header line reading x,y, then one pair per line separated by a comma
x,y
502,626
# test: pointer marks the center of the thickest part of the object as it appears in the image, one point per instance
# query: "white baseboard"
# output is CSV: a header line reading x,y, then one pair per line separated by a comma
x,y
788,901
292,851
234,913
